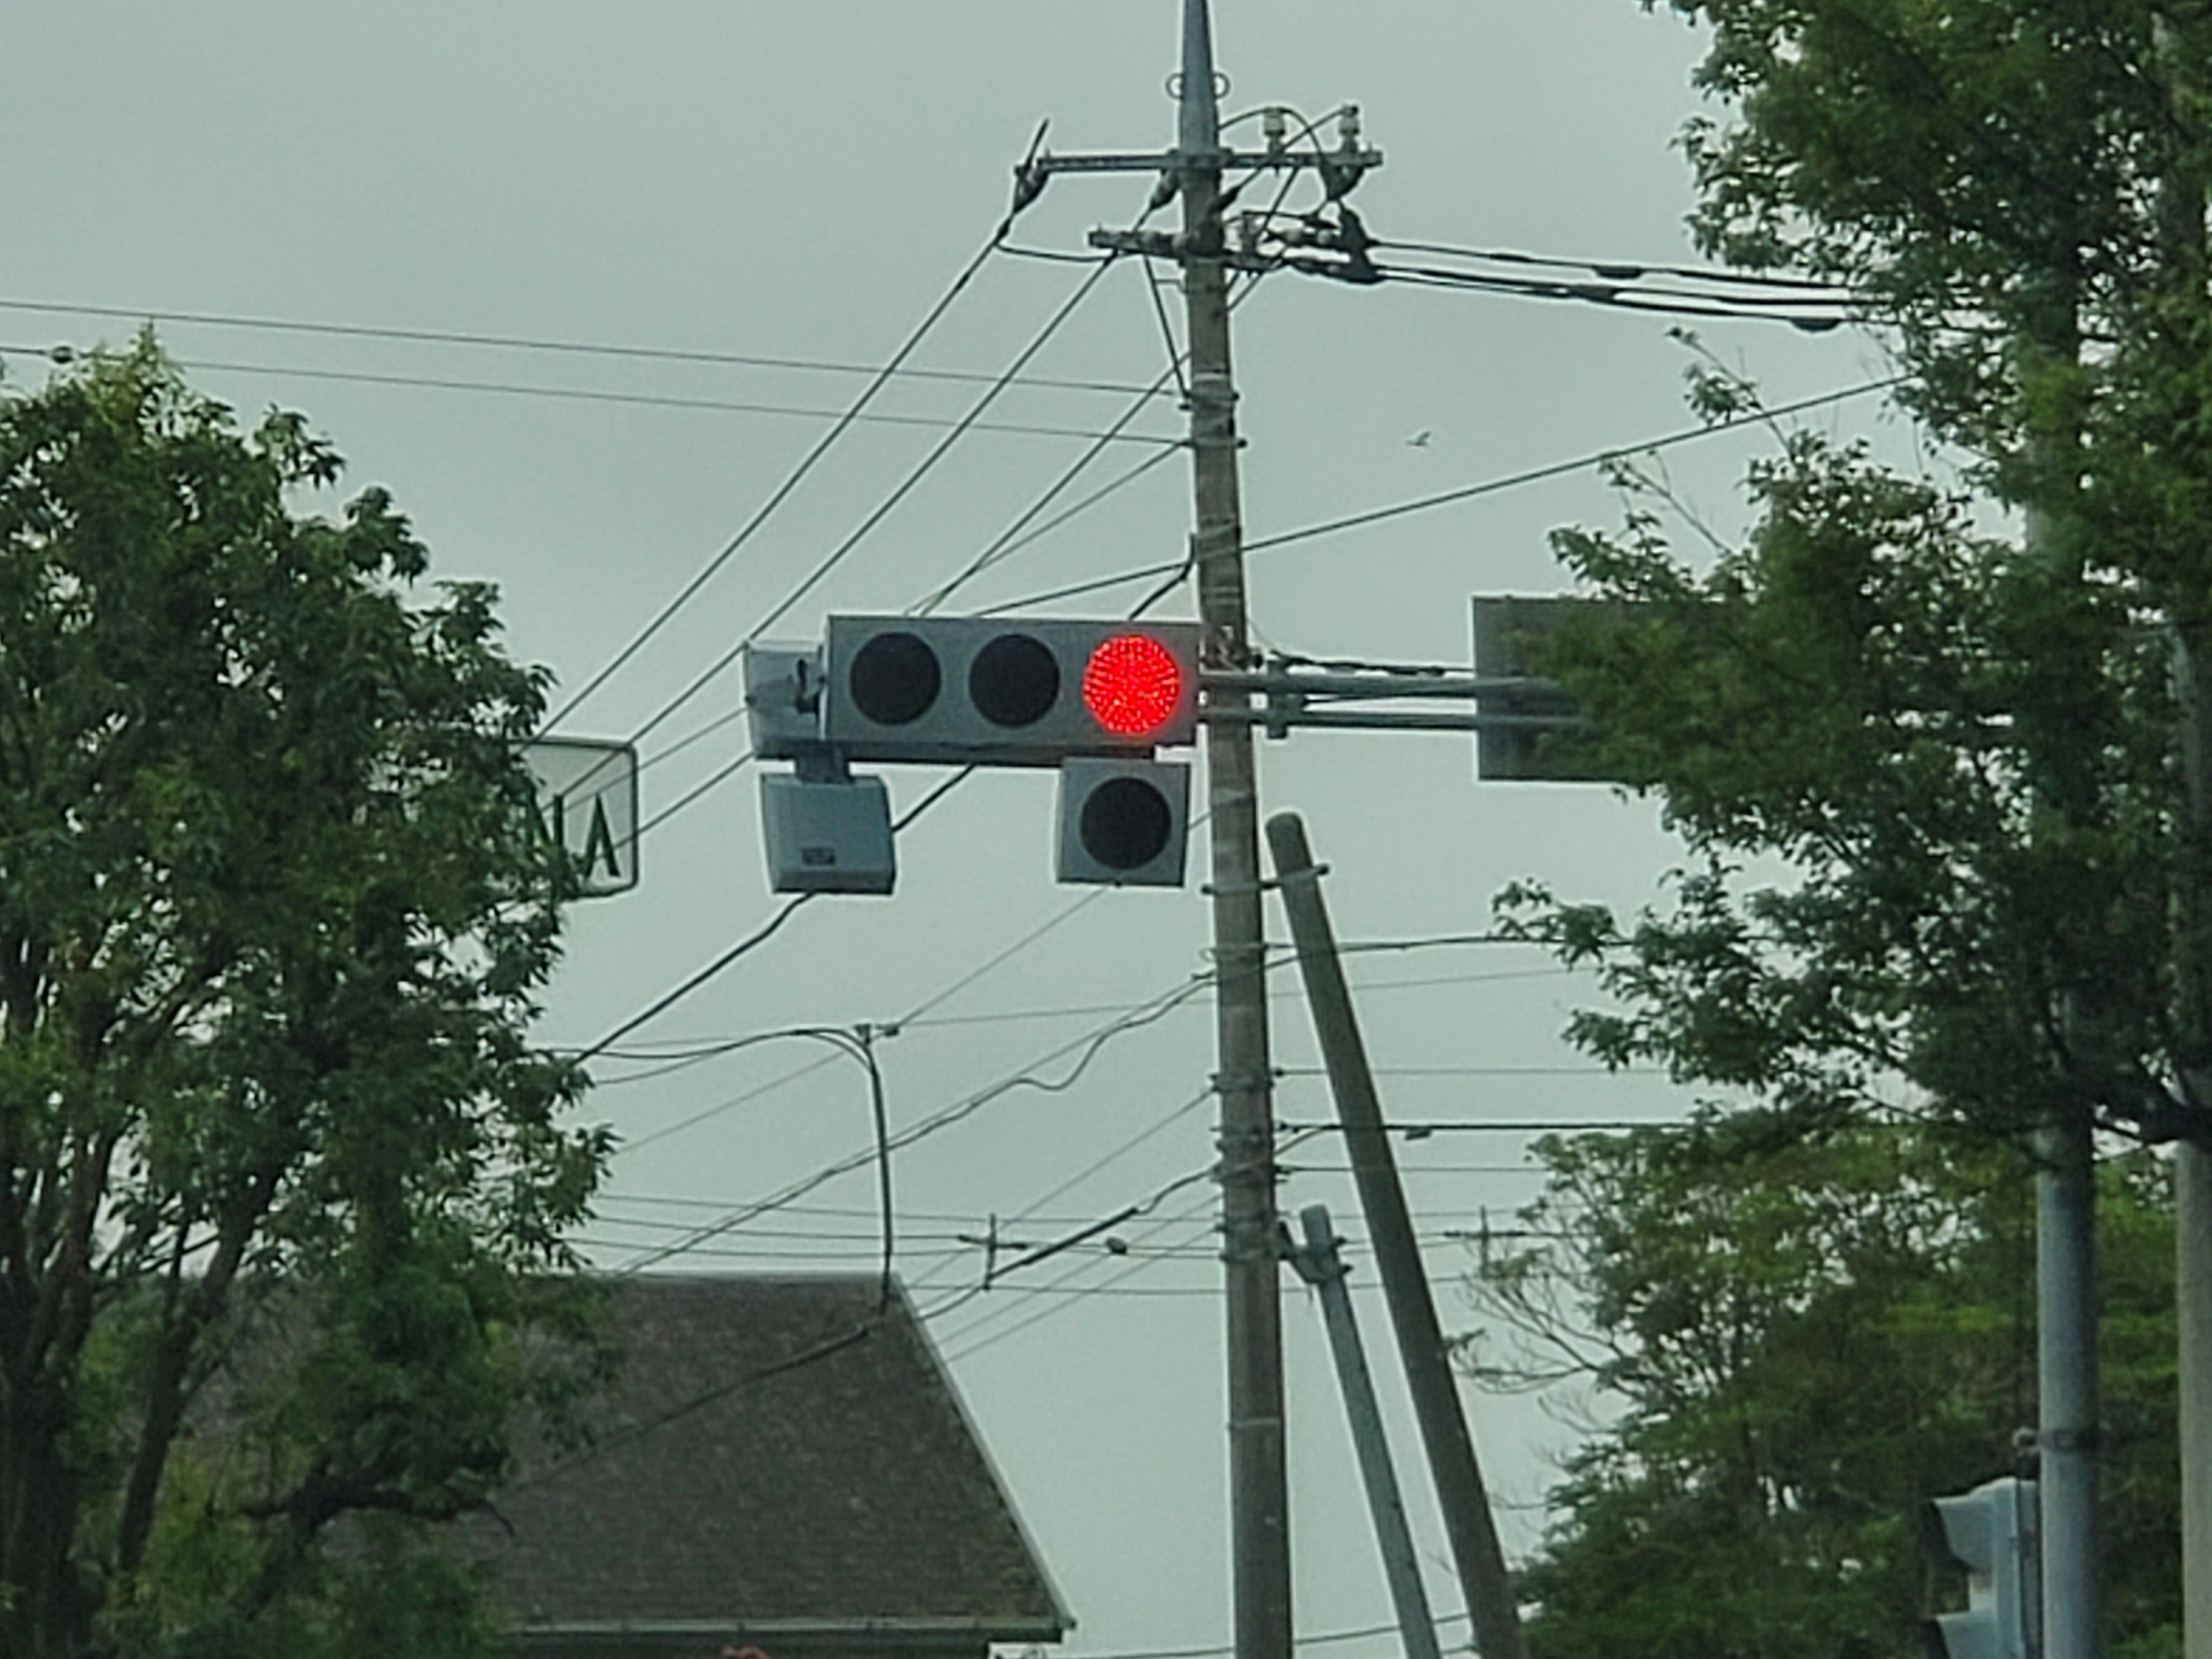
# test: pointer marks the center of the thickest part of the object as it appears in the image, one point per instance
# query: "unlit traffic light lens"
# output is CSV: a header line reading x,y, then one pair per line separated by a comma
x,y
1014,681
1126,823
895,679
1131,685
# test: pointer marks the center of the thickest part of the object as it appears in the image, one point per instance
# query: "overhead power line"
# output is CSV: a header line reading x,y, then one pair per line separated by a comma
x,y
1627,270
782,491
1663,302
1470,492
1085,1049
753,940
1582,463
525,343
1466,493
663,400
837,555
691,1051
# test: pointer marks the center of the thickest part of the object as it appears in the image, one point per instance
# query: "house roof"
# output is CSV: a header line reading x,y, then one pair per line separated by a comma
x,y
775,1456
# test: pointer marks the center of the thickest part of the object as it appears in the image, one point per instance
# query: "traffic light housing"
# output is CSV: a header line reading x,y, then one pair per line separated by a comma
x,y
1990,1532
1007,691
1123,823
1534,733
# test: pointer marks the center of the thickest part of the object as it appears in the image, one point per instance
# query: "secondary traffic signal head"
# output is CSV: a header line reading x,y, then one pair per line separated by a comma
x,y
1006,691
1990,1533
1123,823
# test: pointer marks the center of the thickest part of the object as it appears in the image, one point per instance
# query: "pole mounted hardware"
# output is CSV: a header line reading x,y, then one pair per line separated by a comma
x,y
1295,694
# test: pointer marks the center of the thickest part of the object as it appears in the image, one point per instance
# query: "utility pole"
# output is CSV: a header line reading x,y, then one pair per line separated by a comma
x,y
2192,1180
2066,1374
1468,1523
2192,1160
1321,1264
1258,1481
2064,1144
2183,248
1258,1486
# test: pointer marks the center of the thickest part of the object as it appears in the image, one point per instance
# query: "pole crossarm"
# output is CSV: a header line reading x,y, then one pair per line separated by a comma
x,y
1227,161
1177,245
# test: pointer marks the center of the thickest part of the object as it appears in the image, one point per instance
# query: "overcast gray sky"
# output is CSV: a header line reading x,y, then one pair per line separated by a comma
x,y
802,182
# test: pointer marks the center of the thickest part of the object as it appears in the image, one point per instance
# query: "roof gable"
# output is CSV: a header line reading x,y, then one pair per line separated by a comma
x,y
777,1454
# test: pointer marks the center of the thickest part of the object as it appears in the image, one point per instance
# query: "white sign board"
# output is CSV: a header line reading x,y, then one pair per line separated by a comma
x,y
587,801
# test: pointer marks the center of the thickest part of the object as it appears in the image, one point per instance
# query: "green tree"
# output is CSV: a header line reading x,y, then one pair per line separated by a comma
x,y
1925,755
277,1157
1795,1341
1962,741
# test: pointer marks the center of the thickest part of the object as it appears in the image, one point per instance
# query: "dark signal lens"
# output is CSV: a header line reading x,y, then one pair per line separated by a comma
x,y
1133,685
1014,681
895,679
1126,822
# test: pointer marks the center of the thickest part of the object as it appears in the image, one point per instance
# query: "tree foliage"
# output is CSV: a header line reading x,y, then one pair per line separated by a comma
x,y
1927,740
1798,1340
1965,764
1962,741
276,1157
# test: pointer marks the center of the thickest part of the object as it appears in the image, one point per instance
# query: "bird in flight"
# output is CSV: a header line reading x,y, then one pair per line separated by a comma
x,y
1419,440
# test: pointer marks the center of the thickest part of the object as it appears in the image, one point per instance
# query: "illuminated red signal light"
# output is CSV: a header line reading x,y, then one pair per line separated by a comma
x,y
1133,685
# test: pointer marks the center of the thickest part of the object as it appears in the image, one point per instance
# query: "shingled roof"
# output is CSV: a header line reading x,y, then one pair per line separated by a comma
x,y
780,1464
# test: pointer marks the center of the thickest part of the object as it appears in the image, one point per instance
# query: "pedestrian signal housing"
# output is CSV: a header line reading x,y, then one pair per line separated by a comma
x,y
1007,691
1990,1532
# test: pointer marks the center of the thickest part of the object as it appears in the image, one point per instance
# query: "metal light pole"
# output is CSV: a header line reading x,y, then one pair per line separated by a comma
x,y
2193,1162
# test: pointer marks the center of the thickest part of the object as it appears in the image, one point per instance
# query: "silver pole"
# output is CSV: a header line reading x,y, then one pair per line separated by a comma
x,y
2066,1369
2192,1162
1322,1265
2066,1324
2193,1205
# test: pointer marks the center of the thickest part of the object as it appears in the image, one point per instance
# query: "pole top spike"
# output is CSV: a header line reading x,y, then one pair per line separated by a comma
x,y
1199,129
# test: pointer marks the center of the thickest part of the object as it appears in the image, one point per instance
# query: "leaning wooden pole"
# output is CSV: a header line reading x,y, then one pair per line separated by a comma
x,y
1469,1523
